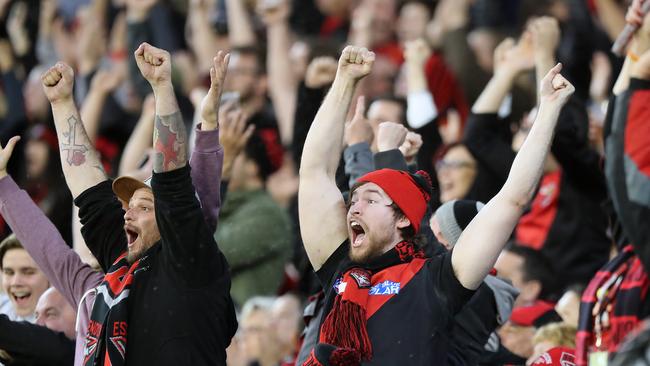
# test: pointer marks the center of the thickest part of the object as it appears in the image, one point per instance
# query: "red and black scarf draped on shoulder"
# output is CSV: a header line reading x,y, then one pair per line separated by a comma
x,y
343,338
611,306
107,329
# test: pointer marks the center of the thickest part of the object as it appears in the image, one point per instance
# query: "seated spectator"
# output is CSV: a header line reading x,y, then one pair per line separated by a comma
x,y
552,336
257,335
286,315
48,342
517,333
22,280
529,272
254,231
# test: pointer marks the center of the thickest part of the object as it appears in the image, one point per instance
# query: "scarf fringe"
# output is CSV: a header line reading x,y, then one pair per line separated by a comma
x,y
351,317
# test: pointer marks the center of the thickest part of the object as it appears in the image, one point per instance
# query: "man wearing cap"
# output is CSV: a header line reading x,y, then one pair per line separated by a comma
x,y
385,303
165,297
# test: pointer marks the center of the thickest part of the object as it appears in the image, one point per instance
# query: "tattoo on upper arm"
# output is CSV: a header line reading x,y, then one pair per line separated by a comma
x,y
75,142
169,140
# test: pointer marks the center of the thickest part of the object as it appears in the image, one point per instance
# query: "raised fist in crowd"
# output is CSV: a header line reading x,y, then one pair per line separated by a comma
x,y
57,82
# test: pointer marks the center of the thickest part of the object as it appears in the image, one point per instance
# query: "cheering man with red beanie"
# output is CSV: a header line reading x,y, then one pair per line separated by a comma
x,y
386,304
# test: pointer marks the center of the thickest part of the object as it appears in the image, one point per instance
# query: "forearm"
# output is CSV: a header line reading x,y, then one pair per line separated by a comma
x,y
91,111
282,85
611,16
494,93
169,135
61,265
206,164
137,146
80,161
324,141
204,40
495,222
240,28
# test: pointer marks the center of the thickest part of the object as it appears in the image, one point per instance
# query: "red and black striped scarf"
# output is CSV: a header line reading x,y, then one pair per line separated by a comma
x,y
620,289
107,329
343,338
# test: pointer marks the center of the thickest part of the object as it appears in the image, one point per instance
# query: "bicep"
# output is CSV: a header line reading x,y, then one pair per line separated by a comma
x,y
322,216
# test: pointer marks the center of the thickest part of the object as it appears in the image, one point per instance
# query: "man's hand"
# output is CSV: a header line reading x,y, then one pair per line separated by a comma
x,y
411,146
545,32
5,154
155,65
320,72
355,63
511,58
233,136
390,135
416,53
210,103
555,90
106,81
358,129
58,82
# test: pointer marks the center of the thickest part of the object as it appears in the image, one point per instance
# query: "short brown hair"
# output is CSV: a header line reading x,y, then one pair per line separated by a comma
x,y
10,242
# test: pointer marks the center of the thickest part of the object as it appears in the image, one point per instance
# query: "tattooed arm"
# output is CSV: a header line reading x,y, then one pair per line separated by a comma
x,y
80,161
169,134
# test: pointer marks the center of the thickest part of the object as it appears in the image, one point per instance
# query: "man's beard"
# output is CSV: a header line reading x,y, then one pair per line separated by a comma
x,y
374,250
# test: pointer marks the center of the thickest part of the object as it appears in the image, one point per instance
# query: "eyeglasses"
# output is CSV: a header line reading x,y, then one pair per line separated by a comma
x,y
453,164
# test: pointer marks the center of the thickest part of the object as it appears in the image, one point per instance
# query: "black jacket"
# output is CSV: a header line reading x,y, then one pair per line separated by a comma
x,y
34,345
180,310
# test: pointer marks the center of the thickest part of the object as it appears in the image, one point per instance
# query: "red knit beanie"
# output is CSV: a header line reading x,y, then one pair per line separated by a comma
x,y
410,192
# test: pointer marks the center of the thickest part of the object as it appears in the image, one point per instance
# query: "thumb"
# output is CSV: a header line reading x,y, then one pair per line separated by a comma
x,y
9,148
554,71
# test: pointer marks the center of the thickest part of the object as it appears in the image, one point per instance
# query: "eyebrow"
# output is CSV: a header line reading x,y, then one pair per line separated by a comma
x,y
141,198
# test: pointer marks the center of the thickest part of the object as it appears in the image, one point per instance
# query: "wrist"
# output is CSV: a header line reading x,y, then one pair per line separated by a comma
x,y
386,146
162,88
136,15
64,102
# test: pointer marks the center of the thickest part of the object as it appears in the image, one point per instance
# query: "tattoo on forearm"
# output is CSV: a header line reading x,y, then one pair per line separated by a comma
x,y
75,142
169,140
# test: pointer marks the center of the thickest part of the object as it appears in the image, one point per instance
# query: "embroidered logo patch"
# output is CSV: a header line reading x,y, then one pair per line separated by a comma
x,y
361,277
385,288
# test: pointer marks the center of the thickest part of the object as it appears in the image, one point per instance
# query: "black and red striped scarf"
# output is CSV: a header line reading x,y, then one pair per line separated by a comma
x,y
622,285
108,325
343,338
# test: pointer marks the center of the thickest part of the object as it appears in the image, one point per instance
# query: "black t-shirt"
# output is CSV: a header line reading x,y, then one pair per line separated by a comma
x,y
410,306
179,306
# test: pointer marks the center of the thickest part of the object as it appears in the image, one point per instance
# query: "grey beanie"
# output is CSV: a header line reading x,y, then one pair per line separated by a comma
x,y
454,216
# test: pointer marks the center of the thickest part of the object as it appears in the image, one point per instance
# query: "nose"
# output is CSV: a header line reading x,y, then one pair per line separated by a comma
x,y
16,279
40,320
128,215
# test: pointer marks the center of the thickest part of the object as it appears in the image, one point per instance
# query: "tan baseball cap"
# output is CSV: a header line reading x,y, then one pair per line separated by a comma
x,y
125,186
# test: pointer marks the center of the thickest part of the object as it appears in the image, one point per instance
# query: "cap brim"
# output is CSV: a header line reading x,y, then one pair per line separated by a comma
x,y
124,187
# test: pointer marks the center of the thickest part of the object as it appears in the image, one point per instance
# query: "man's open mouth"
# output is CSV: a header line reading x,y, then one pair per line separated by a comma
x,y
358,233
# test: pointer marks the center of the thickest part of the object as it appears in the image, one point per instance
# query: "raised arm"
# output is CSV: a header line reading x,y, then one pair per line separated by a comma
x,y
169,134
282,82
80,161
320,204
484,238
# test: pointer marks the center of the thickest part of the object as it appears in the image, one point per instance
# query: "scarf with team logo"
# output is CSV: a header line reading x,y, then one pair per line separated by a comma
x,y
107,329
343,338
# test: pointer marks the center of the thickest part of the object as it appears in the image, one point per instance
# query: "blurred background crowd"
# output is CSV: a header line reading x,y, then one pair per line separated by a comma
x,y
453,86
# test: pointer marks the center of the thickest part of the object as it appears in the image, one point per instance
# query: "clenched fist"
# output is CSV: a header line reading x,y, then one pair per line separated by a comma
x,y
355,63
57,82
555,90
155,65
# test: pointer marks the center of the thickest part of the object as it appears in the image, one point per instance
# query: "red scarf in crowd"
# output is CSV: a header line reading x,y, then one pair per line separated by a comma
x,y
620,289
343,338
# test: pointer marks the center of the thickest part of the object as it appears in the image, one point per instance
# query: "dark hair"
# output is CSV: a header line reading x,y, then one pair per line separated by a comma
x,y
392,99
256,52
536,267
9,243
265,149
